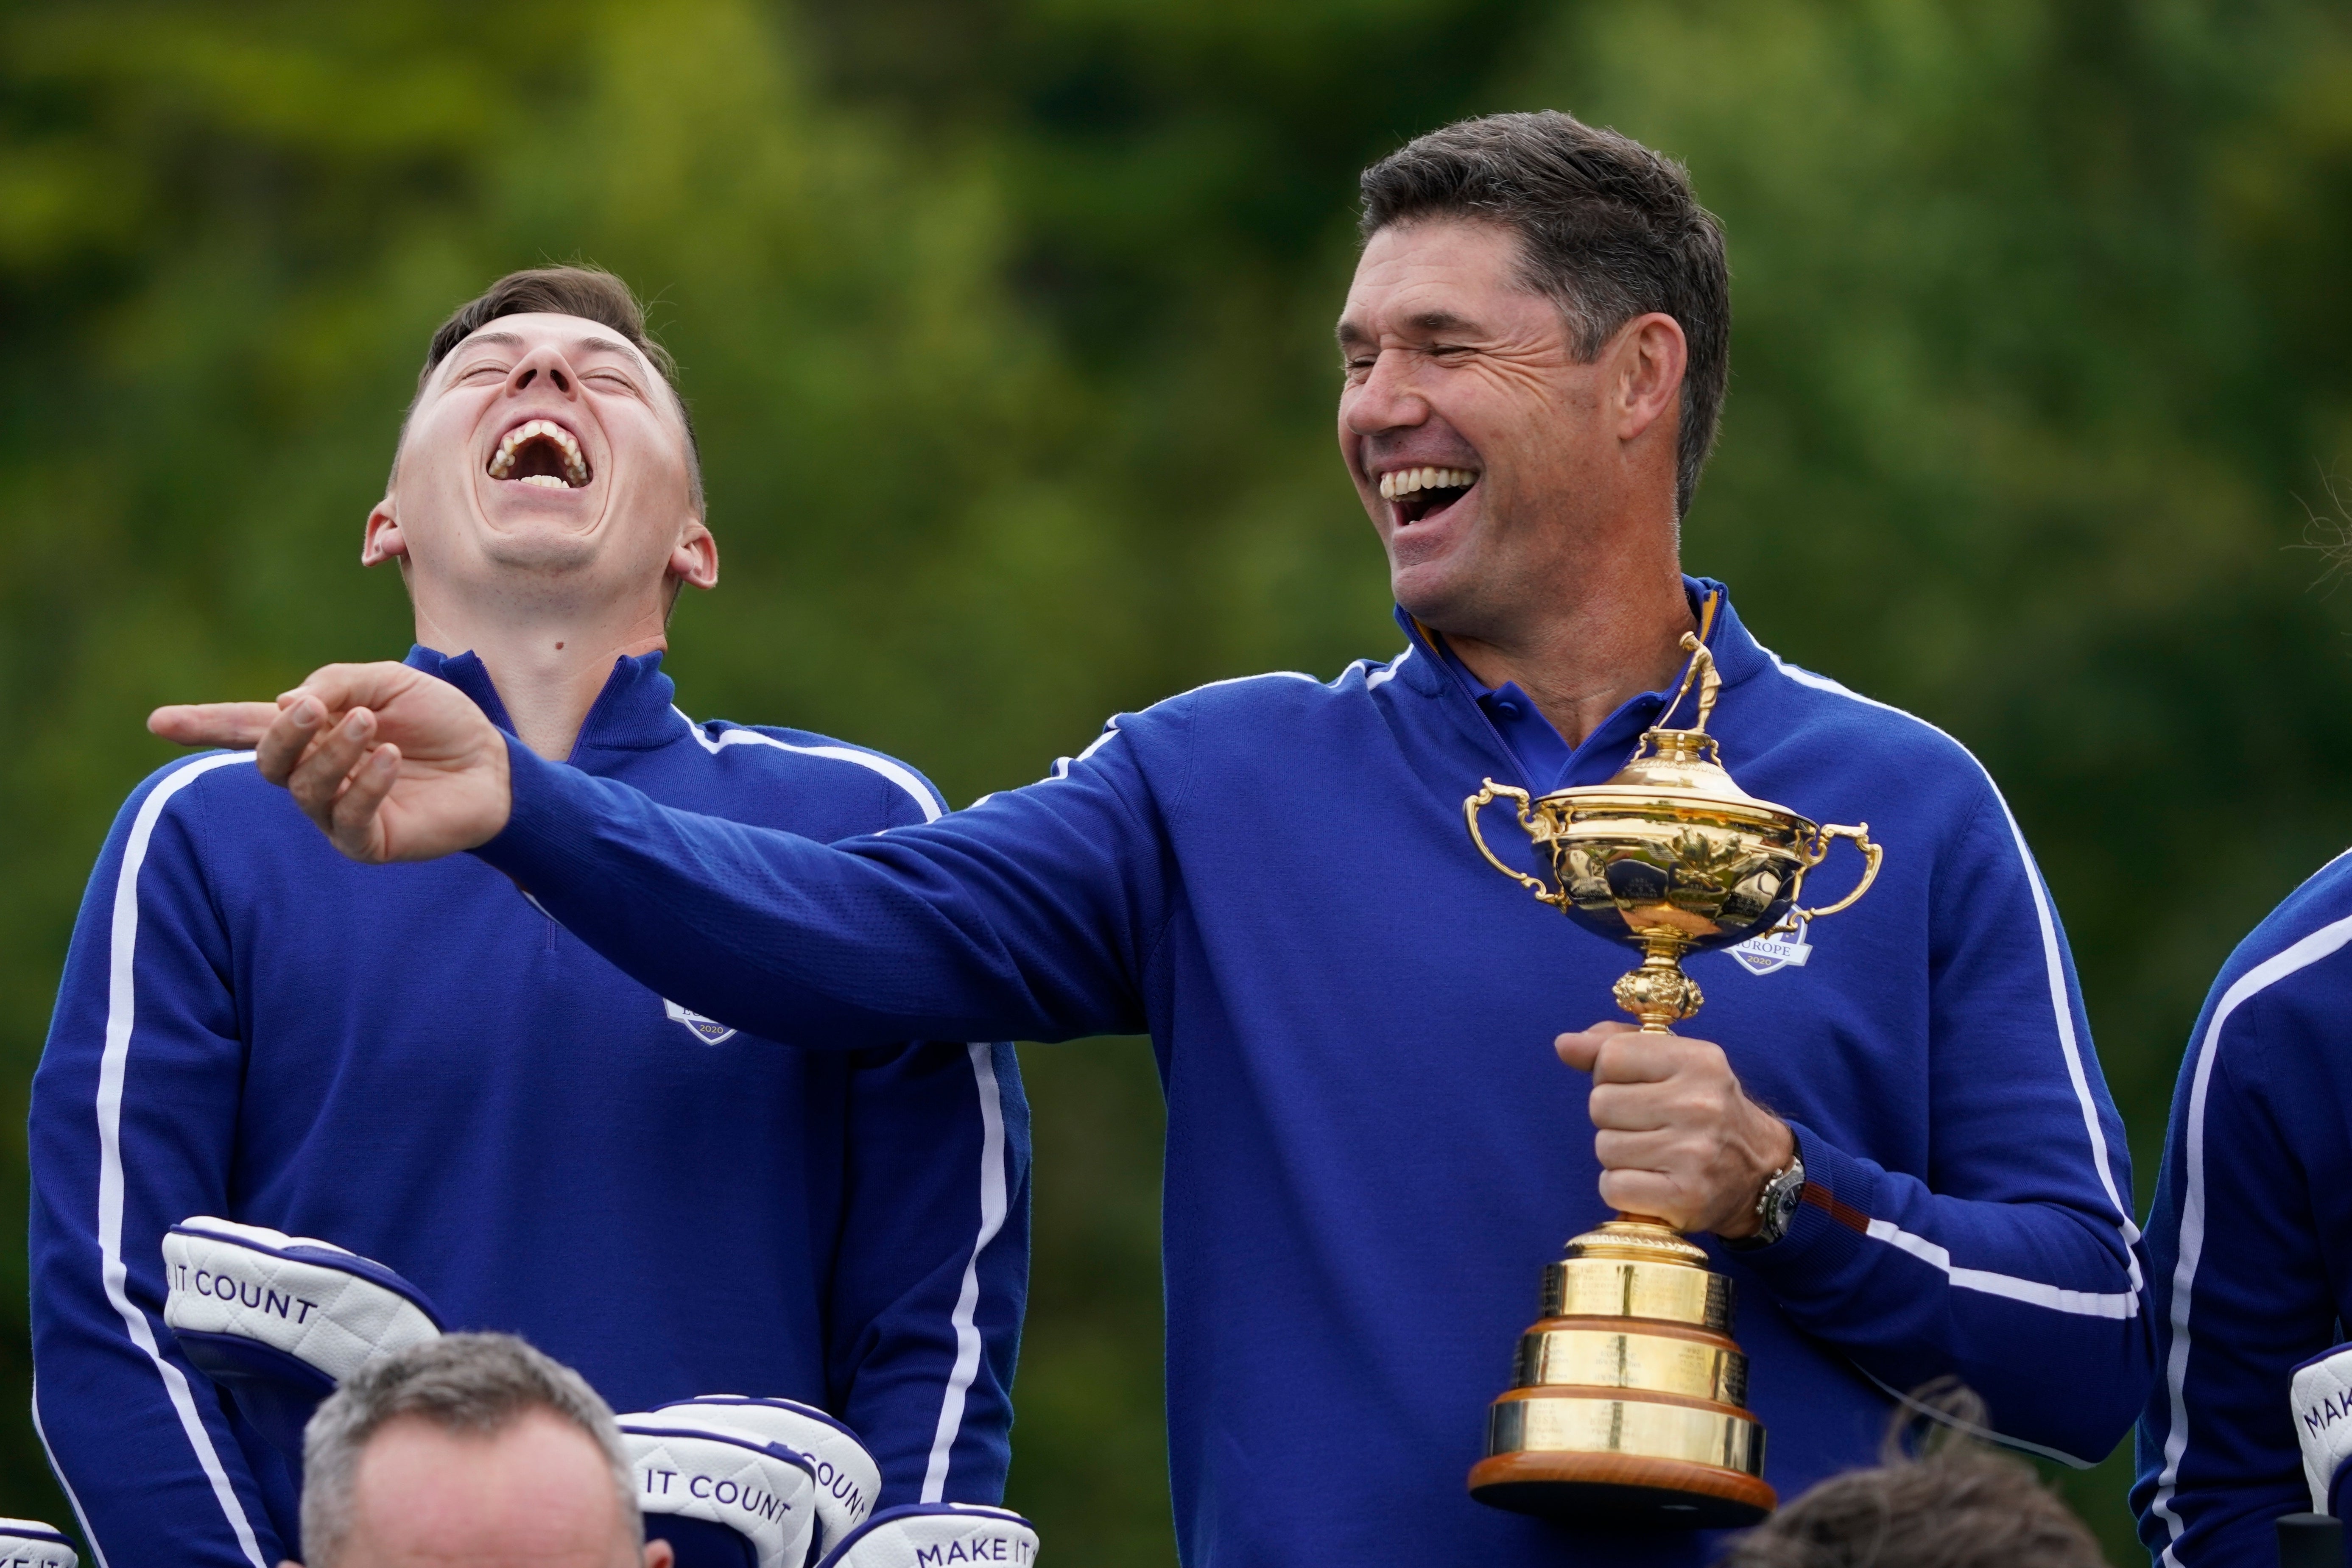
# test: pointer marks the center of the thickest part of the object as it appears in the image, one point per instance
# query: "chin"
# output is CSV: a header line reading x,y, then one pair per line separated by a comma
x,y
1435,593
542,550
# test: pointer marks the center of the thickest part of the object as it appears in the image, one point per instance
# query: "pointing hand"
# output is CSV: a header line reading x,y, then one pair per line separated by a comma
x,y
390,763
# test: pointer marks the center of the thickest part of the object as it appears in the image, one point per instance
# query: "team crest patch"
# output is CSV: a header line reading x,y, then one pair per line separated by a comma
x,y
1776,950
709,1031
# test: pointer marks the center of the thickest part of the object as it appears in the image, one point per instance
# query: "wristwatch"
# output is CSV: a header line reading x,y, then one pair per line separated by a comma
x,y
1776,1205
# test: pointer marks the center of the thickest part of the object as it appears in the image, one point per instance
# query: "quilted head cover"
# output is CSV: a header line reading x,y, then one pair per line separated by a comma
x,y
938,1535
847,1479
28,1544
330,1308
764,1494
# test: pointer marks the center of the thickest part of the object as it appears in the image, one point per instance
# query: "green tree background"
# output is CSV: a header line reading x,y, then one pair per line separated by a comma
x,y
1007,324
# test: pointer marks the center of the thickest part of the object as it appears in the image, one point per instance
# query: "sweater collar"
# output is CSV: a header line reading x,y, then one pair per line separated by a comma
x,y
1738,655
632,713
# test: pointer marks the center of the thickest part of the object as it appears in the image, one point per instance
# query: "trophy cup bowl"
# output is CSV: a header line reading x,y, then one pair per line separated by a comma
x,y
1630,1399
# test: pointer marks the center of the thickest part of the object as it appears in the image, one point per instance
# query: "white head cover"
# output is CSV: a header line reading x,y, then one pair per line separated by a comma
x,y
28,1544
328,1308
706,1476
938,1535
847,1479
2321,1394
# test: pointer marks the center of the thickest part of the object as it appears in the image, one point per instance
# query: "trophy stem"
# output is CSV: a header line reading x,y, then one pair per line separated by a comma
x,y
1659,993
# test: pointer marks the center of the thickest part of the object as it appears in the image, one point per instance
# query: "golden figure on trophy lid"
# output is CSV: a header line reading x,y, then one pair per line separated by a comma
x,y
1631,1397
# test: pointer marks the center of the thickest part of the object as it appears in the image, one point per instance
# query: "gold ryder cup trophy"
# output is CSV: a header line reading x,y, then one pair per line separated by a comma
x,y
1631,1397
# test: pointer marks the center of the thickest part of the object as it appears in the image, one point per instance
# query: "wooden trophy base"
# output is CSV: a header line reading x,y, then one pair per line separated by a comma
x,y
1621,1489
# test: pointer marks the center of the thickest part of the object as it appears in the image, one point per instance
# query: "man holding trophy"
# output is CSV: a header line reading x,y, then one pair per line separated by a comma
x,y
1893,1147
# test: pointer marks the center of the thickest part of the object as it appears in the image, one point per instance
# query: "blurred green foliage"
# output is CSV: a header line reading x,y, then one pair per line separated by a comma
x,y
1006,325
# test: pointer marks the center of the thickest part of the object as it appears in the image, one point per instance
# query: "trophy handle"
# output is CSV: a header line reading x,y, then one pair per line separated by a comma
x,y
1489,793
1872,855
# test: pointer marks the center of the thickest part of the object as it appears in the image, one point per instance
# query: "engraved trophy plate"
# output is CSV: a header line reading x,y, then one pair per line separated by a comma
x,y
1630,1398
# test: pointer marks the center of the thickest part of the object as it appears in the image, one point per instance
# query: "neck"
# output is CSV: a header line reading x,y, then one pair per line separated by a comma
x,y
550,665
1611,631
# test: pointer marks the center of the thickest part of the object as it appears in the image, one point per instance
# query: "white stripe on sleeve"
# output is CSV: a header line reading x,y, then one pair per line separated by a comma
x,y
122,1006
2061,1004
993,1201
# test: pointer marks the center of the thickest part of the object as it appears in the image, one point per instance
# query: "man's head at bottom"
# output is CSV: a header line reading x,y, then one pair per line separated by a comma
x,y
469,1451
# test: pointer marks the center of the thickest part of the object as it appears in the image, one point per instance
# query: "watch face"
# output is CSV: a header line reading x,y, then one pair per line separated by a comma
x,y
1780,1204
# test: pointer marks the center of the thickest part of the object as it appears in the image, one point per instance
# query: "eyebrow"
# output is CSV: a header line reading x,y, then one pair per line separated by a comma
x,y
1426,323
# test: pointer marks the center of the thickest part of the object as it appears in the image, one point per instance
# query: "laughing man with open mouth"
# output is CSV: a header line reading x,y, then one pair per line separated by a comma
x,y
426,1068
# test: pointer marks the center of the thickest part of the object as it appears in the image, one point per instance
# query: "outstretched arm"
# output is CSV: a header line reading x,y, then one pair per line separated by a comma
x,y
1030,917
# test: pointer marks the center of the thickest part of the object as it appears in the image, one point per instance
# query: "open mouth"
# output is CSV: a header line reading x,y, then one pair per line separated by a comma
x,y
1421,494
542,453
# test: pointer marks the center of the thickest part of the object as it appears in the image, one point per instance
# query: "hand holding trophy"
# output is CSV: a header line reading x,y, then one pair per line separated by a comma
x,y
1631,1396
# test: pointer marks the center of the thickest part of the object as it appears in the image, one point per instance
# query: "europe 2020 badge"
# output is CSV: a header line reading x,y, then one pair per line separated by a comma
x,y
709,1031
1779,950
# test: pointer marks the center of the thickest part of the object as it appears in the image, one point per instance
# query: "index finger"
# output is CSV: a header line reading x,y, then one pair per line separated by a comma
x,y
1630,1056
238,725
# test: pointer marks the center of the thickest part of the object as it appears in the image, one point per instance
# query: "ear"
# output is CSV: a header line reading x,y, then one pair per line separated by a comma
x,y
694,559
1648,356
659,1555
382,540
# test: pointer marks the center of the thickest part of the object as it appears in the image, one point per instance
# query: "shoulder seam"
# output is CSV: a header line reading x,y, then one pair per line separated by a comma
x,y
916,788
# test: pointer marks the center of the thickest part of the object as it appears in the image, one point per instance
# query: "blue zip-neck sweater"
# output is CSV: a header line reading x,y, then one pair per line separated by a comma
x,y
1373,1149
2249,1235
414,1063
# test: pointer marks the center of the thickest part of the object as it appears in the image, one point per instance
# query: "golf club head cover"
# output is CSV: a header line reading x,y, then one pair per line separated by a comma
x,y
278,1321
936,1535
28,1544
847,1479
2321,1394
721,1498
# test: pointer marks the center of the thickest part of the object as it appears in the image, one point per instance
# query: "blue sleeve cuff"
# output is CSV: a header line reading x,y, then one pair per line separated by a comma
x,y
1833,1218
542,816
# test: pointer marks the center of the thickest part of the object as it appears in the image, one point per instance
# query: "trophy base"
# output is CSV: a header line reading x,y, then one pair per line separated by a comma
x,y
1621,1489
1629,1400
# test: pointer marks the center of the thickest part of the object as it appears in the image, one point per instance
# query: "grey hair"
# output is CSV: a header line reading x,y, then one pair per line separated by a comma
x,y
475,1383
1608,230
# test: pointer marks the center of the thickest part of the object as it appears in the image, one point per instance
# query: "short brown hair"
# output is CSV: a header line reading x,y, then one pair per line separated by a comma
x,y
1607,228
1955,1504
590,293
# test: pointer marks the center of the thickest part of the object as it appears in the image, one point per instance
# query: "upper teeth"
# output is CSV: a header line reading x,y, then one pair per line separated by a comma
x,y
1405,481
575,468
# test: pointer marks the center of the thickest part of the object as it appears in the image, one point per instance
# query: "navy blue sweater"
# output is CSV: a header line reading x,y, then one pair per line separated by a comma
x,y
414,1063
1373,1149
2249,1236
